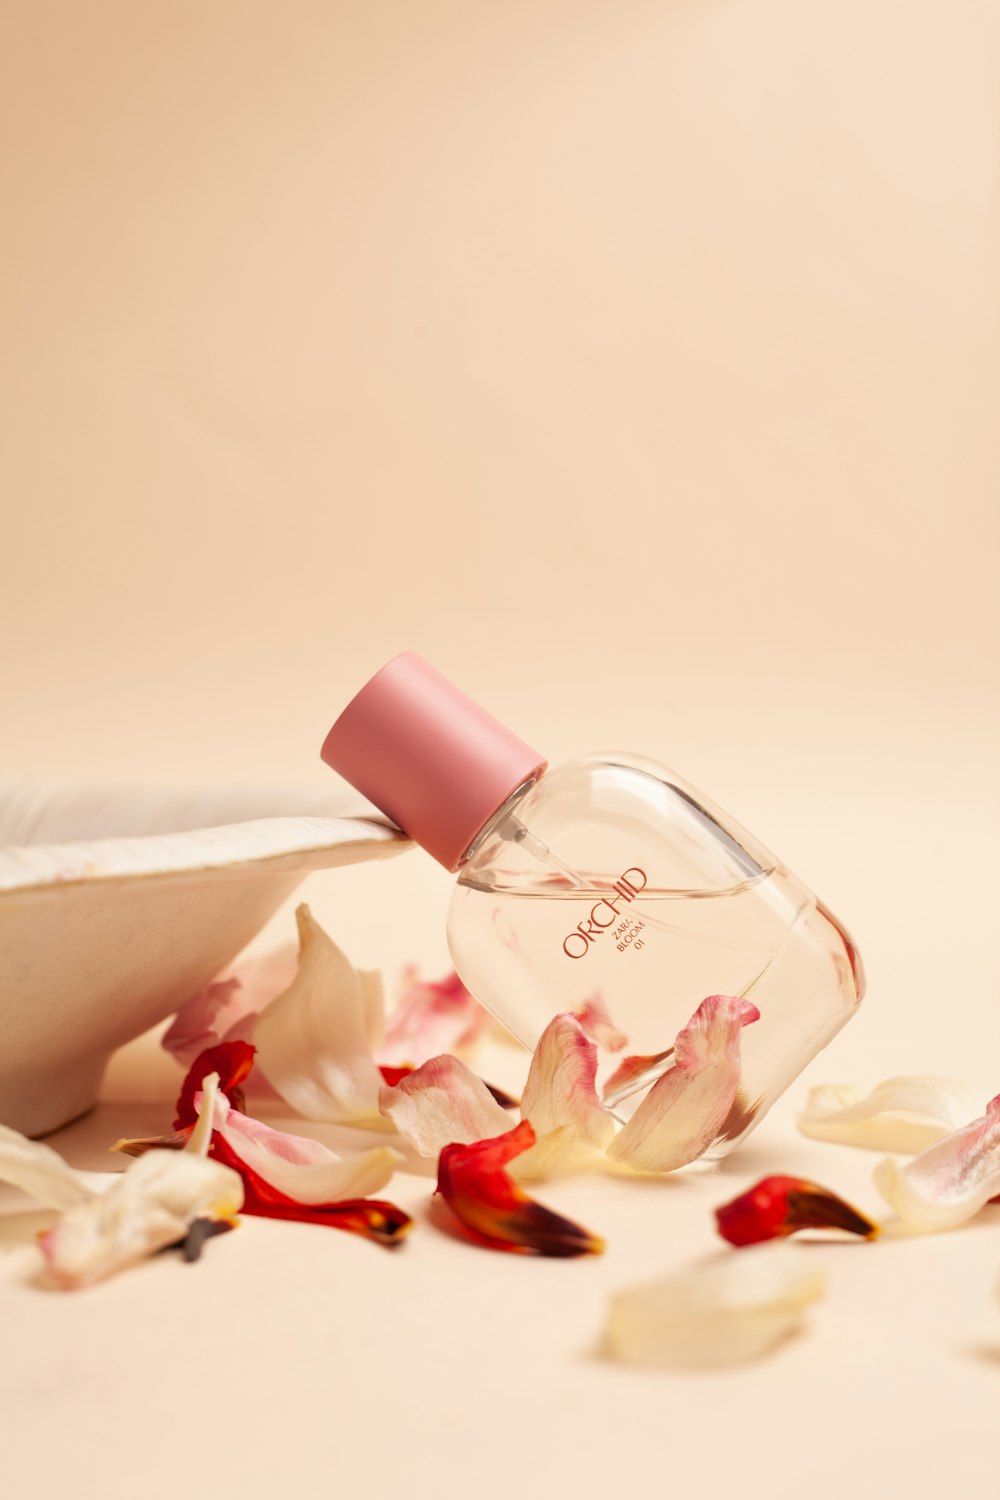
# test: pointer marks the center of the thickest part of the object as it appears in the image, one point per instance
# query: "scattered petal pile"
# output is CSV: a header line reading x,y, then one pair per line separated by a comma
x,y
726,1311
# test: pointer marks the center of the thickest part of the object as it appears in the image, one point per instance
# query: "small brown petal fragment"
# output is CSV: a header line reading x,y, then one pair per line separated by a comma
x,y
780,1206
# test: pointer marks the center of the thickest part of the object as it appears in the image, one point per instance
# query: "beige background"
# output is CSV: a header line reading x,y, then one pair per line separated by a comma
x,y
638,363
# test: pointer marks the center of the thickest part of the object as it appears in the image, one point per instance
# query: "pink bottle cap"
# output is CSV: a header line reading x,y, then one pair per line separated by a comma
x,y
433,760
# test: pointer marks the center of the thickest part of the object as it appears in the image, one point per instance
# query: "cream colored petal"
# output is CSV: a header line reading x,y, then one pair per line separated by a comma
x,y
151,1205
736,1307
904,1114
950,1181
687,1107
206,1102
312,1041
299,1167
441,1103
40,1171
560,1099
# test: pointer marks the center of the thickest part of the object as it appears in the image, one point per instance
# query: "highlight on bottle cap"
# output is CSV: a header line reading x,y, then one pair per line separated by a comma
x,y
428,755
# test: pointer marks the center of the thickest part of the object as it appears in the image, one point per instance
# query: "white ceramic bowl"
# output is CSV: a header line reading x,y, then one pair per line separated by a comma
x,y
116,905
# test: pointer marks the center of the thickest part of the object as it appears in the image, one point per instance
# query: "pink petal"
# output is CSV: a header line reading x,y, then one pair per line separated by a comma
x,y
443,1102
431,1017
685,1110
225,1011
950,1181
597,1023
302,1169
560,1099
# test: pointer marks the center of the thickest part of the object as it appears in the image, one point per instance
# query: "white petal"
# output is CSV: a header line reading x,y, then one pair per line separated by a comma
x,y
40,1171
560,1099
151,1205
312,1041
687,1107
733,1308
443,1102
303,1169
904,1114
949,1182
200,1138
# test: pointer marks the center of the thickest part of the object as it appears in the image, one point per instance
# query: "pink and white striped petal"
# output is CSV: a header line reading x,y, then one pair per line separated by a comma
x,y
560,1099
949,1182
686,1108
227,1009
443,1103
299,1167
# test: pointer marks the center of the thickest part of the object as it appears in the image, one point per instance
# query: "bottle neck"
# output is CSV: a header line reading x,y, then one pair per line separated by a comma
x,y
493,824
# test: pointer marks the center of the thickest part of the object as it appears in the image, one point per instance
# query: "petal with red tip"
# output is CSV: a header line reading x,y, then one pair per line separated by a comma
x,y
431,1017
779,1206
494,1210
441,1102
373,1218
949,1182
233,1061
687,1108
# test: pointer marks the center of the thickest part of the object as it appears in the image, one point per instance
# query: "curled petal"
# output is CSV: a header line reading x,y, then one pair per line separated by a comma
x,y
371,1217
727,1311
312,1041
232,1061
151,1205
904,1114
634,1073
687,1108
431,1017
493,1209
442,1102
560,1099
40,1171
596,1021
303,1170
950,1181
779,1206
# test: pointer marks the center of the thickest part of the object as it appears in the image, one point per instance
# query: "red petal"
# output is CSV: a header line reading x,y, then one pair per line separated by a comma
x,y
778,1206
371,1217
232,1061
493,1208
392,1075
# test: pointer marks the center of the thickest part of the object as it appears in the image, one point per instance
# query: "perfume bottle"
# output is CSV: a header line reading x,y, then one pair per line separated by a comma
x,y
607,878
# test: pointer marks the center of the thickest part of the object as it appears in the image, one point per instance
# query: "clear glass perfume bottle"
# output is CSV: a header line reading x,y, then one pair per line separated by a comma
x,y
606,878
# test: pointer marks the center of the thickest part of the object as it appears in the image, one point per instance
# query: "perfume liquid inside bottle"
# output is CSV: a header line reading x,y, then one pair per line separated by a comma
x,y
606,879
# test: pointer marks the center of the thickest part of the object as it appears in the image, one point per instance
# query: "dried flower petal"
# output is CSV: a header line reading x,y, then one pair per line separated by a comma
x,y
779,1206
232,1061
303,1170
560,1099
685,1110
492,1208
441,1102
40,1171
596,1021
950,1181
633,1073
431,1017
312,1041
729,1310
904,1114
373,1218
